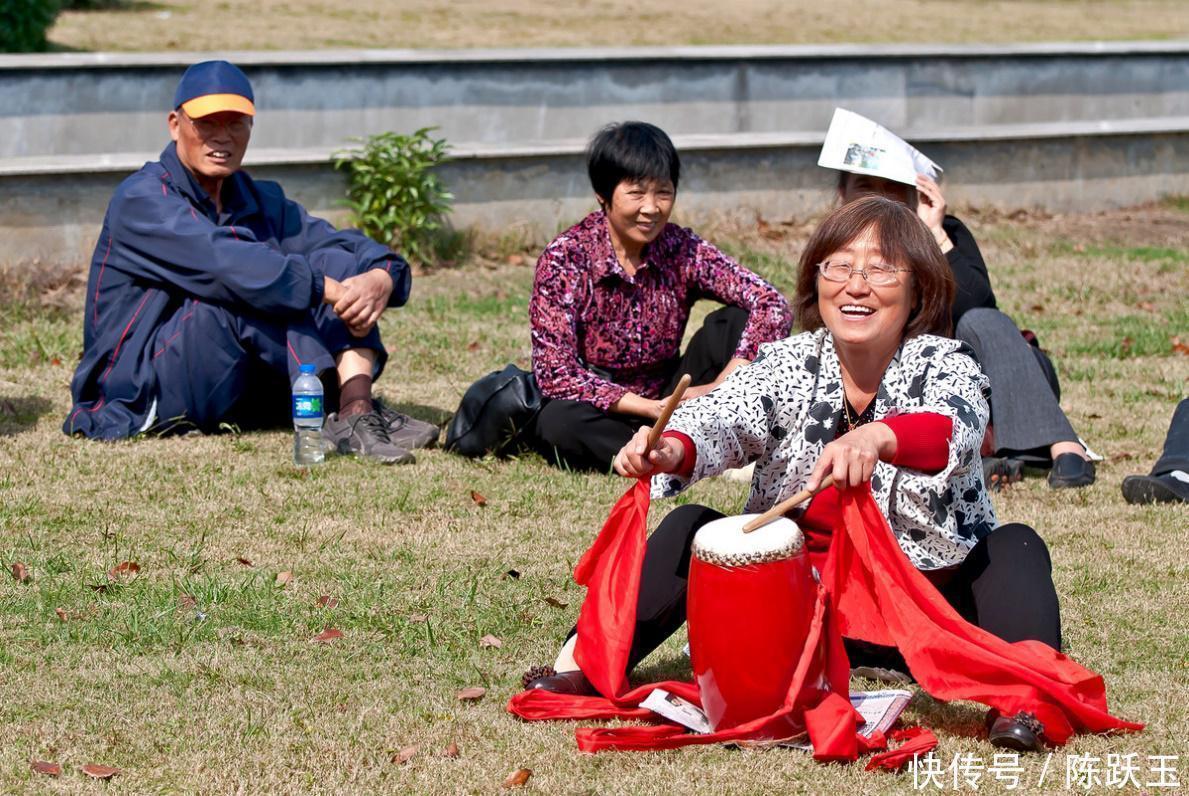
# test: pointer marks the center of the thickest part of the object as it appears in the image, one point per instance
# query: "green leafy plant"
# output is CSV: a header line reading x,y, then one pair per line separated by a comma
x,y
394,195
24,23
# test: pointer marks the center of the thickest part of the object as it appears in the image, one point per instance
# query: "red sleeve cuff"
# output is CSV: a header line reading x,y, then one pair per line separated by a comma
x,y
691,453
922,441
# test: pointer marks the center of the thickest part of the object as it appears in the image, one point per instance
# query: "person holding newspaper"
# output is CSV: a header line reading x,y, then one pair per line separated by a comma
x,y
1028,426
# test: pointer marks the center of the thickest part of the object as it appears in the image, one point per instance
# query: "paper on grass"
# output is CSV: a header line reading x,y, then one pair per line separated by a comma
x,y
856,144
879,710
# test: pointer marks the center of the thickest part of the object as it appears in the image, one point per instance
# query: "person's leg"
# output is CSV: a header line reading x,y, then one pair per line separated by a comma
x,y
214,366
711,347
580,436
1169,480
1005,586
664,581
1024,410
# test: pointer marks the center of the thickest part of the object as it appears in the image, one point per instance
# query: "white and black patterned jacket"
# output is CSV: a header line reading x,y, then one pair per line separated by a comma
x,y
783,408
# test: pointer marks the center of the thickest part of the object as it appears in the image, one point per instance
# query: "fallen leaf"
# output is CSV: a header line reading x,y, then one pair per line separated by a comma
x,y
283,578
1179,347
187,601
20,573
1123,455
61,612
556,603
418,617
451,750
514,574
125,569
1125,345
244,561
1146,305
46,767
56,361
405,755
472,694
473,346
1079,248
490,641
328,635
518,778
479,499
515,259
1038,309
100,772
326,601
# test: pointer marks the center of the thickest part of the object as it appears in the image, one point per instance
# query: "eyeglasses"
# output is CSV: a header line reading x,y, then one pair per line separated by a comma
x,y
208,127
877,274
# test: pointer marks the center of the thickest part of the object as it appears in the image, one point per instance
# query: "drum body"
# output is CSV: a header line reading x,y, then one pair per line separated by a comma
x,y
750,605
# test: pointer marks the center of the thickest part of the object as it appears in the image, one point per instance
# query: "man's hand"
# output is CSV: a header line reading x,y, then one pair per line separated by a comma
x,y
363,299
332,292
634,461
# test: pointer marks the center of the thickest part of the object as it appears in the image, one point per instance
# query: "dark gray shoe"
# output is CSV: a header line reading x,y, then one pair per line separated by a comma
x,y
1139,489
364,435
408,432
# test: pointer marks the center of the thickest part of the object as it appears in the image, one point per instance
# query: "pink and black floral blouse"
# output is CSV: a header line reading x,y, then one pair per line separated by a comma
x,y
586,311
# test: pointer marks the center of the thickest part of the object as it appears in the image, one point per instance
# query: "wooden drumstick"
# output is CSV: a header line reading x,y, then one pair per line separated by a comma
x,y
667,411
785,506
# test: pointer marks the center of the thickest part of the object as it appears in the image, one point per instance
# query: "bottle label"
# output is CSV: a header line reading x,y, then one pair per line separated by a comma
x,y
307,406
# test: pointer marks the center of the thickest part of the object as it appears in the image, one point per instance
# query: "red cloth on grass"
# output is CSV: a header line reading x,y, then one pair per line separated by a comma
x,y
871,591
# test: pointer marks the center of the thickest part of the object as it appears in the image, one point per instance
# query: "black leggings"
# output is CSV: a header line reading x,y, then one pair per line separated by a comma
x,y
1004,586
580,436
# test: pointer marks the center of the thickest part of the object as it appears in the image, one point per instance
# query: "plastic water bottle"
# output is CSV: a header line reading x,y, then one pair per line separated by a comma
x,y
307,418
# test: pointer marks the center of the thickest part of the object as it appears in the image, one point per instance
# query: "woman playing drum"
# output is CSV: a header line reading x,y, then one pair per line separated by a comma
x,y
869,392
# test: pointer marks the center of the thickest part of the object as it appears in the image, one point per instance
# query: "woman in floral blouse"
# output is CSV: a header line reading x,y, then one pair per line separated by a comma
x,y
612,296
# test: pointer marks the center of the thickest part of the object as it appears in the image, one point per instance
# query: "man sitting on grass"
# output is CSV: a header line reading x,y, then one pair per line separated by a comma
x,y
208,290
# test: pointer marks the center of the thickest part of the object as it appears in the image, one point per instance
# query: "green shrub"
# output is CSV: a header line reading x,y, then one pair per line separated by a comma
x,y
23,24
394,195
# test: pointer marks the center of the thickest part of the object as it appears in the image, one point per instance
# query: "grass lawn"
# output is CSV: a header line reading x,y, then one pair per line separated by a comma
x,y
199,673
321,24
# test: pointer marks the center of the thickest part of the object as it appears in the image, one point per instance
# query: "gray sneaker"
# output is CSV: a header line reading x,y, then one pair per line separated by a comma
x,y
364,435
408,432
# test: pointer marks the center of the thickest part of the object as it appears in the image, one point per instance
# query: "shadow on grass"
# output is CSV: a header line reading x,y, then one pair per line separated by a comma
x,y
430,414
21,414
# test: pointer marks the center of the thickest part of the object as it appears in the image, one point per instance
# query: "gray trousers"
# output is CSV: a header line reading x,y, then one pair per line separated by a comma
x,y
1024,408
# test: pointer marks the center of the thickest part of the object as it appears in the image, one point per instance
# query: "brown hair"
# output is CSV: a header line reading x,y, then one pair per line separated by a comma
x,y
904,240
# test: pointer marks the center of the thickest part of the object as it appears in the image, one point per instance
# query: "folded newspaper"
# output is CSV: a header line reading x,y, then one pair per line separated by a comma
x,y
855,143
879,710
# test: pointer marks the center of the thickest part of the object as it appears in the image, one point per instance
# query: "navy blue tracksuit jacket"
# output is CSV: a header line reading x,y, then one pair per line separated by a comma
x,y
189,312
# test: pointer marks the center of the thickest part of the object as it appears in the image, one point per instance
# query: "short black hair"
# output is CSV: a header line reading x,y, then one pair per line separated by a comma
x,y
634,151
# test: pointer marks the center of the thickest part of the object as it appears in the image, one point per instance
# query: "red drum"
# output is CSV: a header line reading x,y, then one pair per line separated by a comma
x,y
750,605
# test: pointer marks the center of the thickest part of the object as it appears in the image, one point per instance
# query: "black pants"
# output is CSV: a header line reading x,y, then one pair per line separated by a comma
x,y
580,436
1176,443
1004,586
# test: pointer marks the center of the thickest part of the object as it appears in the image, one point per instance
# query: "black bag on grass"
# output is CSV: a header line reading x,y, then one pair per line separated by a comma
x,y
494,413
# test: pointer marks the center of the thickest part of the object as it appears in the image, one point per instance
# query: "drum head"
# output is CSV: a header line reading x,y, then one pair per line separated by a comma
x,y
723,541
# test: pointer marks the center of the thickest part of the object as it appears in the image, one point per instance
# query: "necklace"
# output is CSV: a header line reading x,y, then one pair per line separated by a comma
x,y
855,420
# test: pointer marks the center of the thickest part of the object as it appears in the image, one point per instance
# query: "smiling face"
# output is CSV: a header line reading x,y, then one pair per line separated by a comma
x,y
857,313
638,212
211,147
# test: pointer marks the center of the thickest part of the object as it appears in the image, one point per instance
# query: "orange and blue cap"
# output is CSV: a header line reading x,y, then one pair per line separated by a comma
x,y
213,87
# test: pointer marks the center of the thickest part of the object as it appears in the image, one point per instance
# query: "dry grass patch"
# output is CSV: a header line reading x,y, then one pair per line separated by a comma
x,y
200,673
319,24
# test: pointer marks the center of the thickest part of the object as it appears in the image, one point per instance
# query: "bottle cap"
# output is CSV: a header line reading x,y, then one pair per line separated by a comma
x,y
308,368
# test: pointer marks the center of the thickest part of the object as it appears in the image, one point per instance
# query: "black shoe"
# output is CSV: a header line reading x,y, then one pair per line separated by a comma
x,y
1155,489
544,678
1071,471
1001,471
1022,732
